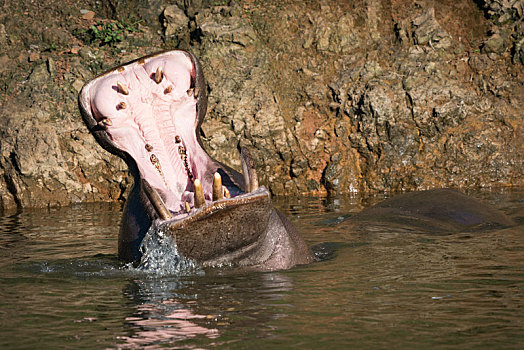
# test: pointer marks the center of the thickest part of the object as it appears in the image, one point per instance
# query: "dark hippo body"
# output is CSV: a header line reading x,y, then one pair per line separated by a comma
x,y
432,211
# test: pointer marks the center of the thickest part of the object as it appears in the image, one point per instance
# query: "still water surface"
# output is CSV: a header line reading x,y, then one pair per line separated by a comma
x,y
62,287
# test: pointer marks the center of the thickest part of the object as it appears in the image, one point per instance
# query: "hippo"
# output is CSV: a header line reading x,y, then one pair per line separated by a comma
x,y
149,113
436,211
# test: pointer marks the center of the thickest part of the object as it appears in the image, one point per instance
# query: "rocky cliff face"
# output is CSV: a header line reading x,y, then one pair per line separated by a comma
x,y
330,96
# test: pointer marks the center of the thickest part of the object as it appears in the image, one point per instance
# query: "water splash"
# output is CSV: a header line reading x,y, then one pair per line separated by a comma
x,y
160,254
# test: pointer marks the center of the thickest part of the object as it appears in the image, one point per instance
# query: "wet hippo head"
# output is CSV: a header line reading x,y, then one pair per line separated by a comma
x,y
149,112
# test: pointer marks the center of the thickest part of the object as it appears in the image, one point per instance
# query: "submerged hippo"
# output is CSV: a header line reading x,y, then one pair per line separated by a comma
x,y
149,112
433,211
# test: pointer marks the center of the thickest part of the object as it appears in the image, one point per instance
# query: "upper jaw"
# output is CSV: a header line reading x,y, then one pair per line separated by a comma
x,y
149,112
97,123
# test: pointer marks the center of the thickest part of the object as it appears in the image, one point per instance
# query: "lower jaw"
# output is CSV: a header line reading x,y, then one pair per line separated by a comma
x,y
221,227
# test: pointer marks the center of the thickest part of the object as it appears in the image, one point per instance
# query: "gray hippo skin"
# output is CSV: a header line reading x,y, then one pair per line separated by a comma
x,y
149,112
432,211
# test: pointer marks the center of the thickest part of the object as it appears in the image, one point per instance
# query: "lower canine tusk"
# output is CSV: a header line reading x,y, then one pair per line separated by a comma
x,y
104,123
248,170
199,194
156,201
217,187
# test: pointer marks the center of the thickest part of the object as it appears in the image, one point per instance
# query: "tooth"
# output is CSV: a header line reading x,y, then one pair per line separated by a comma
x,y
199,194
123,89
168,89
121,105
158,75
149,148
156,163
197,91
248,170
217,187
245,168
177,139
188,208
226,193
156,201
104,123
190,92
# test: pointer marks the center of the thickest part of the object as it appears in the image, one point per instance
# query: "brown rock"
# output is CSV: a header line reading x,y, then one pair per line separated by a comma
x,y
34,56
88,16
4,59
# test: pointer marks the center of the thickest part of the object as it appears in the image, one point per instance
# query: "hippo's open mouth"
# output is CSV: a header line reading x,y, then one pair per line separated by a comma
x,y
149,112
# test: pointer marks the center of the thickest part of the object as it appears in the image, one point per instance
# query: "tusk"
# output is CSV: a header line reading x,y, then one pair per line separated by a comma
x,y
156,201
188,207
217,187
158,75
123,89
104,123
248,170
199,194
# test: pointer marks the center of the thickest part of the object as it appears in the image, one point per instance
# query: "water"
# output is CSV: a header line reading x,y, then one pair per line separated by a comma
x,y
61,286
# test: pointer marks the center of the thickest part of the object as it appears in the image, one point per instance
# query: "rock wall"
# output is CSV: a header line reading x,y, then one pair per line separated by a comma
x,y
332,97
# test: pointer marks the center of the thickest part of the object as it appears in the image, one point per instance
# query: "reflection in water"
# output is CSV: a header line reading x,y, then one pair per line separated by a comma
x,y
171,310
60,283
154,325
159,317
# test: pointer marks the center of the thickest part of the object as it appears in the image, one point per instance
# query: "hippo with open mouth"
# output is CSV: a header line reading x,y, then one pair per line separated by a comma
x,y
149,112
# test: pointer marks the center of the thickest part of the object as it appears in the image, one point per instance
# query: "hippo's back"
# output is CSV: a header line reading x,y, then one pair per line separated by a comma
x,y
439,211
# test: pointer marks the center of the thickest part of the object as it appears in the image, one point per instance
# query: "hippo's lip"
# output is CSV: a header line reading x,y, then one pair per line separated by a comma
x,y
183,219
149,113
221,227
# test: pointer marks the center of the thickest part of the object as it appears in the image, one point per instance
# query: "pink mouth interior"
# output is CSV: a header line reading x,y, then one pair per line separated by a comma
x,y
155,123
